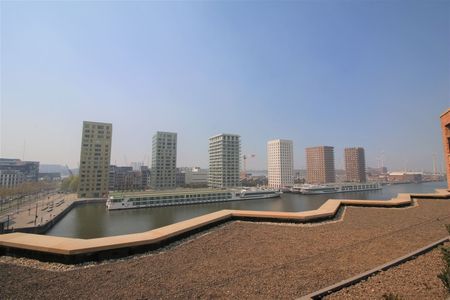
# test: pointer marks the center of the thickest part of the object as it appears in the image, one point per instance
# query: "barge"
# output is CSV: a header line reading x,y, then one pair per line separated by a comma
x,y
315,189
183,197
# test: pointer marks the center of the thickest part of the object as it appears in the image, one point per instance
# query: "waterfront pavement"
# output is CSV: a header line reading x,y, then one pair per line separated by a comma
x,y
39,212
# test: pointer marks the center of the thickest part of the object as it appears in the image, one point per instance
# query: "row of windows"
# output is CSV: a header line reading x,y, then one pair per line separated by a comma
x,y
202,199
89,190
358,187
98,136
182,196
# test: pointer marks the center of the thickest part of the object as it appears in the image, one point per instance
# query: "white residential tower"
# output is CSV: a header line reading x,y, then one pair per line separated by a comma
x,y
280,163
164,160
224,163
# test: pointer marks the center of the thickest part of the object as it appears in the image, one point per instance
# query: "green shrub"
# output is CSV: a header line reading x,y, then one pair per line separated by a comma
x,y
445,274
391,296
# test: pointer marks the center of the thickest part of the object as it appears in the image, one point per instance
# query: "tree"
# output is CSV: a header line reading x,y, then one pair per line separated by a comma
x,y
445,274
70,184
65,184
73,186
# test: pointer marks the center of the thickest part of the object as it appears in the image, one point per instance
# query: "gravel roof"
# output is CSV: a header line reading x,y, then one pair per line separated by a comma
x,y
244,259
415,279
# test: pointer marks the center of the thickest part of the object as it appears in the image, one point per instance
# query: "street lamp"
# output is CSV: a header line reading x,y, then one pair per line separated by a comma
x,y
35,215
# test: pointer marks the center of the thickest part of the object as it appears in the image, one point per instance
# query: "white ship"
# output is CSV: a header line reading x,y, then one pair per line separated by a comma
x,y
183,197
314,189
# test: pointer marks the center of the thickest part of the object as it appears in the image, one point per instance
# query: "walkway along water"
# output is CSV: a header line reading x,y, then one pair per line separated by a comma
x,y
94,221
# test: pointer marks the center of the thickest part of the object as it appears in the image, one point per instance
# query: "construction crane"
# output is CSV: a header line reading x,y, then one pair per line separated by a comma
x,y
244,158
434,164
70,171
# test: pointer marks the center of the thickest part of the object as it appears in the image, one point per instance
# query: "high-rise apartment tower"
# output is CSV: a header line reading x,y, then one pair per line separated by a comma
x,y
280,163
224,161
95,159
164,160
320,164
355,164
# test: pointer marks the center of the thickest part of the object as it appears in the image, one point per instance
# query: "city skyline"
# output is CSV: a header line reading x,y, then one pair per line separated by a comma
x,y
327,73
339,162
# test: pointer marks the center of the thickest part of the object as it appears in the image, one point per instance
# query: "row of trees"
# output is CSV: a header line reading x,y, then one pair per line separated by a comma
x,y
70,184
27,188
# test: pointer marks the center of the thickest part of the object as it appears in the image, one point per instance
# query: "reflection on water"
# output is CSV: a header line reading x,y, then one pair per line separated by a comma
x,y
94,220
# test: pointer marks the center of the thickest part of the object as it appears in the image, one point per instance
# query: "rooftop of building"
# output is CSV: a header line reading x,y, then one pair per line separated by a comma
x,y
399,173
97,123
165,132
15,161
280,140
445,112
245,260
319,147
178,191
225,134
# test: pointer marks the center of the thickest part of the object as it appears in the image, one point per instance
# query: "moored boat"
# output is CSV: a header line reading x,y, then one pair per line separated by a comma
x,y
183,197
317,189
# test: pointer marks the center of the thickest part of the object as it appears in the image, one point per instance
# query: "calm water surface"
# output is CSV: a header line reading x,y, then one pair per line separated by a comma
x,y
94,220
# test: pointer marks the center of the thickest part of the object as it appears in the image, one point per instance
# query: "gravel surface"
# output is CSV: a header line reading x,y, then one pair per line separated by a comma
x,y
415,279
245,260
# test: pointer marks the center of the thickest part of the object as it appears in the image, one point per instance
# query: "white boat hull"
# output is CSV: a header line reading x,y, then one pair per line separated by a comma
x,y
129,205
334,189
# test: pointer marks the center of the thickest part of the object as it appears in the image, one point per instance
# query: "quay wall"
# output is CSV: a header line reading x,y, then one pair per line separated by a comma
x,y
43,228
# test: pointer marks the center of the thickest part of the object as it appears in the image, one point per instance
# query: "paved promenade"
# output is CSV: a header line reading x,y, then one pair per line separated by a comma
x,y
40,212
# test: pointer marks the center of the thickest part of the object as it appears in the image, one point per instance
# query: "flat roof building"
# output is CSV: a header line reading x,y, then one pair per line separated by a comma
x,y
29,170
355,164
192,177
145,176
445,125
196,176
164,160
224,161
280,164
95,158
405,177
11,178
320,165
122,179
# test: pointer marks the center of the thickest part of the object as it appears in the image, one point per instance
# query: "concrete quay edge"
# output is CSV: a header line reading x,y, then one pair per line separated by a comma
x,y
53,245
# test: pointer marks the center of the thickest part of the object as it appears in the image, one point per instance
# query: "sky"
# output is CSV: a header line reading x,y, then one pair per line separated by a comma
x,y
374,74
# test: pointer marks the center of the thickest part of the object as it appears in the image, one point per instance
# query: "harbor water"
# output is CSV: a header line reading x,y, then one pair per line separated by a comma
x,y
94,220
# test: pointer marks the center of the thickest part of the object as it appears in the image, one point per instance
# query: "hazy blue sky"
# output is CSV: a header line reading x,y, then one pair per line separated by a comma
x,y
341,73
